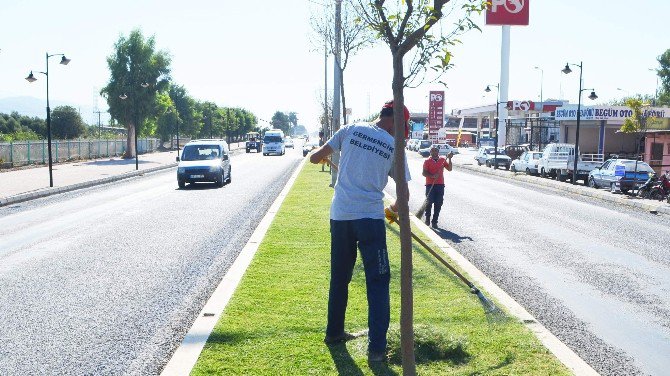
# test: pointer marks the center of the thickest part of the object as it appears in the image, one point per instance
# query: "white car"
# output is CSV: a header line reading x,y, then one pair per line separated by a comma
x,y
288,143
527,162
442,149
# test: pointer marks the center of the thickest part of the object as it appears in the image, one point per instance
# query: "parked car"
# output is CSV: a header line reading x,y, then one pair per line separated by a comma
x,y
204,161
527,162
423,144
515,151
412,144
442,149
487,156
619,175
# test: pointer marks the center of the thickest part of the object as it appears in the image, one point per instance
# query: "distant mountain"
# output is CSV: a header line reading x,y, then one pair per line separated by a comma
x,y
31,106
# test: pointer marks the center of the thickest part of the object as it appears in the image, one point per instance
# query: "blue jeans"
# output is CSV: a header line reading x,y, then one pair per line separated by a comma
x,y
370,237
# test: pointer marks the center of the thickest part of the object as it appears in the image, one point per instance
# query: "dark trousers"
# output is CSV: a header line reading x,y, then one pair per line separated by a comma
x,y
370,237
435,198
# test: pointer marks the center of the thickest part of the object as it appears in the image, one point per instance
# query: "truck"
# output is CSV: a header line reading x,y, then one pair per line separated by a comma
x,y
253,142
557,161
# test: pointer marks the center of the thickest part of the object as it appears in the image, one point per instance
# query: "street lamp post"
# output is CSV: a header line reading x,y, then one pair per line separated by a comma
x,y
656,92
495,138
593,96
541,83
31,78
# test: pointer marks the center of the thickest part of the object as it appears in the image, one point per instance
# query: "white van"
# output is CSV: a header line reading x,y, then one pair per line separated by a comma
x,y
273,142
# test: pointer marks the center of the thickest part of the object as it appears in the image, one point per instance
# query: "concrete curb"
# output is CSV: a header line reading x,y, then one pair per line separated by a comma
x,y
645,205
186,356
562,352
68,188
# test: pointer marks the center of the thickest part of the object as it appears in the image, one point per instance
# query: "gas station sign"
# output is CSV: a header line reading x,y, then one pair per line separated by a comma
x,y
435,114
508,12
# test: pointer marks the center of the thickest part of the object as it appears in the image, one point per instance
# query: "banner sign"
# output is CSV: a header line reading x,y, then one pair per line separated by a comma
x,y
606,113
435,114
520,105
508,12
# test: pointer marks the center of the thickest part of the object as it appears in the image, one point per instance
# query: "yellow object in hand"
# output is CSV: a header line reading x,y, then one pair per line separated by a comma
x,y
391,216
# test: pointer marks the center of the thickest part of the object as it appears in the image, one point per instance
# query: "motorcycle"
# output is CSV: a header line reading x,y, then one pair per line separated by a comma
x,y
661,189
645,189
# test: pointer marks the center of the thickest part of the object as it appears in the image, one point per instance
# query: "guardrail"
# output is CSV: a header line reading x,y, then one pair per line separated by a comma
x,y
22,153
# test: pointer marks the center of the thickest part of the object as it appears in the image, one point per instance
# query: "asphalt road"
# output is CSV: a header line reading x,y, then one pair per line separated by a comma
x,y
107,281
597,275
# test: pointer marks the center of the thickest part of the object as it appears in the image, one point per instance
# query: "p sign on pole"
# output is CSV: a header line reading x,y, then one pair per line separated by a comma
x,y
435,114
508,12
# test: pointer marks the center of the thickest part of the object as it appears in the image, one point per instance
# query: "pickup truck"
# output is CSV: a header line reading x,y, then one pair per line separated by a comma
x,y
558,161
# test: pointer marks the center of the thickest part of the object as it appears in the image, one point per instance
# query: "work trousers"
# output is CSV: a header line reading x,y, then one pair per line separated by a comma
x,y
435,198
370,237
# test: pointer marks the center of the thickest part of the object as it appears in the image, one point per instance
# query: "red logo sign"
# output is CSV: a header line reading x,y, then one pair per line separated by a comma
x,y
508,12
435,113
520,105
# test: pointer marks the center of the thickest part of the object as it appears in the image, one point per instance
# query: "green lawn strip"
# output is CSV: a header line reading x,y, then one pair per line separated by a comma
x,y
275,322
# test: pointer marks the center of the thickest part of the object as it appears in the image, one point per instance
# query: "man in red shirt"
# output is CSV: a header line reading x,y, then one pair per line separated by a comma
x,y
433,170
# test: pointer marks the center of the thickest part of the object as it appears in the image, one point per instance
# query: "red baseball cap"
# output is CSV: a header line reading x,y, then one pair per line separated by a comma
x,y
389,104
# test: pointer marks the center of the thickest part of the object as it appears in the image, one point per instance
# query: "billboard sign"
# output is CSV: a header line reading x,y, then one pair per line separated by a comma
x,y
520,105
508,12
435,114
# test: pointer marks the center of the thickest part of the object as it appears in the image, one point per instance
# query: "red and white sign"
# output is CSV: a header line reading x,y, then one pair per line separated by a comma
x,y
520,105
435,114
508,12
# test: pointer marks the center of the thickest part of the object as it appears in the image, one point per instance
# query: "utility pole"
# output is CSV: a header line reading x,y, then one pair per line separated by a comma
x,y
326,130
99,124
336,81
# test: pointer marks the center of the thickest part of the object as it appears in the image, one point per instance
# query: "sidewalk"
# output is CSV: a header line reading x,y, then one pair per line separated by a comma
x,y
31,183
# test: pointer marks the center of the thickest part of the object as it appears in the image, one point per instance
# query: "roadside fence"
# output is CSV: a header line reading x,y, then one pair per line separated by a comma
x,y
20,153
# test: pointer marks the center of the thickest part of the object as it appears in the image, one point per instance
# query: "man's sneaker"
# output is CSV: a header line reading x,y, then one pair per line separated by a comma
x,y
434,225
376,357
331,340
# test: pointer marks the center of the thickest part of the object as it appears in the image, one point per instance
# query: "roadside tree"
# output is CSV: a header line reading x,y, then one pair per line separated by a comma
x,y
137,73
66,122
664,74
408,26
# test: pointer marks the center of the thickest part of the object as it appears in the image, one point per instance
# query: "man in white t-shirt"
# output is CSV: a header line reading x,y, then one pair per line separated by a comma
x,y
357,219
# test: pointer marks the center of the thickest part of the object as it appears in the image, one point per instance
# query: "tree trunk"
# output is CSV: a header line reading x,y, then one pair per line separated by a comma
x,y
130,142
344,103
402,194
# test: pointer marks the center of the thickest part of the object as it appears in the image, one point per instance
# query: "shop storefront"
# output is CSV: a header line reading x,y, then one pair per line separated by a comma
x,y
600,129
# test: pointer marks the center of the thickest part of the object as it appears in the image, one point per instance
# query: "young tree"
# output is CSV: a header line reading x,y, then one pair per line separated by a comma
x,y
66,122
137,73
405,27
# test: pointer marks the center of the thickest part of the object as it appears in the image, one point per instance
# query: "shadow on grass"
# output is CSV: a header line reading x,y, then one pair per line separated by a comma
x,y
343,361
507,360
493,313
431,344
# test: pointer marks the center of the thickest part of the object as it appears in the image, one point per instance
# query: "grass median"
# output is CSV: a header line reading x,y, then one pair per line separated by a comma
x,y
275,322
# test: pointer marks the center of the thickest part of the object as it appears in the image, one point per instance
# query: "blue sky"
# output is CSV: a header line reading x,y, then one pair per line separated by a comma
x,y
258,55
